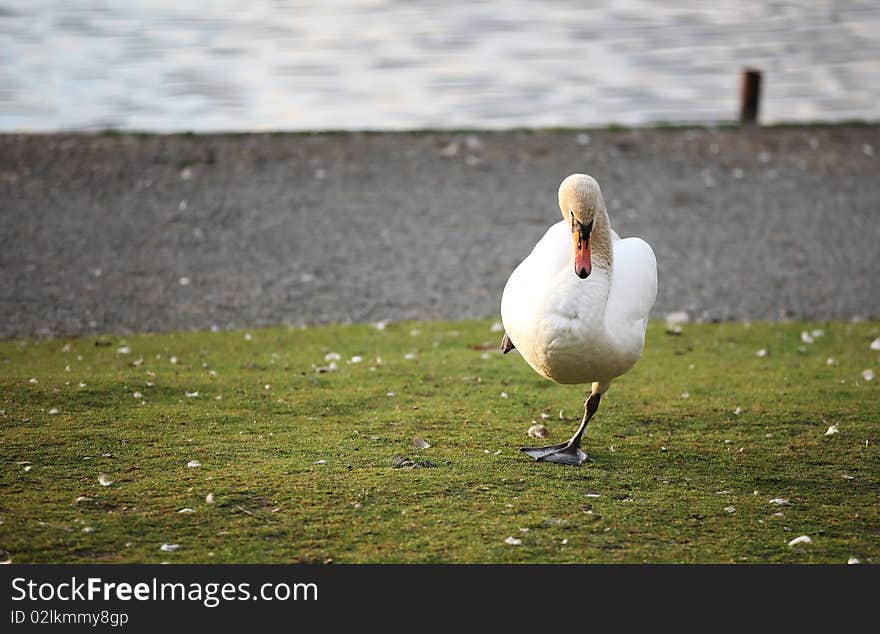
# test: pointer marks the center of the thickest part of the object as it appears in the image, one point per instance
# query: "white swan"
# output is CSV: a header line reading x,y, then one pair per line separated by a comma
x,y
577,307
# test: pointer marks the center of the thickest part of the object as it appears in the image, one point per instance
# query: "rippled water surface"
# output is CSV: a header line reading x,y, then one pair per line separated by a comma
x,y
390,64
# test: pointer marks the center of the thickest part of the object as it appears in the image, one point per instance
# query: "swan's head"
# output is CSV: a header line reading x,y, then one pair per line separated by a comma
x,y
580,201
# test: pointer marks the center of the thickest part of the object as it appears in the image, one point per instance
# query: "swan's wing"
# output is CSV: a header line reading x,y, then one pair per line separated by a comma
x,y
525,289
548,257
633,281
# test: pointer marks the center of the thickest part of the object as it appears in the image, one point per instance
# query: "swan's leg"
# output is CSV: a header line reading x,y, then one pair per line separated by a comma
x,y
569,452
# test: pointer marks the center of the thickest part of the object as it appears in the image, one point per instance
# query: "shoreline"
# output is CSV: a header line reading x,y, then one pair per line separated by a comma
x,y
134,232
655,126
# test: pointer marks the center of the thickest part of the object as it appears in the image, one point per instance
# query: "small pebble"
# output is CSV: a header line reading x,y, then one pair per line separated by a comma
x,y
421,443
538,431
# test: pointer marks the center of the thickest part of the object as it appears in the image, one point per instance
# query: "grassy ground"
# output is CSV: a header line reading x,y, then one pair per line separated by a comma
x,y
688,448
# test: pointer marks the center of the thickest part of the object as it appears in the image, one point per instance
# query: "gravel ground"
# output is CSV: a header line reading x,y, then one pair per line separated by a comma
x,y
130,233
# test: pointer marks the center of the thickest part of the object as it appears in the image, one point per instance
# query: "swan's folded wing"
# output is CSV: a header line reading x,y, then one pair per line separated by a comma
x,y
633,282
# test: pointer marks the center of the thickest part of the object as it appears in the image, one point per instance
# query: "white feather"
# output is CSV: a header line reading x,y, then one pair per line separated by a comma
x,y
573,330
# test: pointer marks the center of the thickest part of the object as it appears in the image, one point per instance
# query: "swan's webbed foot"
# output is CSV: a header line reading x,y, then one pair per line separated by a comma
x,y
567,453
506,344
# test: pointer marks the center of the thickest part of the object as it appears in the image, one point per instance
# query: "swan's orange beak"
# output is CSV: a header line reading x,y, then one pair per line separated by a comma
x,y
583,265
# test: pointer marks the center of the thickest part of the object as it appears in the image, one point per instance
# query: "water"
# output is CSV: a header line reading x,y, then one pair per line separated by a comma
x,y
389,64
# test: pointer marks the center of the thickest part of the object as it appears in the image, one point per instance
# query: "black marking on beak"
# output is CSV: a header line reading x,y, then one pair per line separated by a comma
x,y
581,232
583,229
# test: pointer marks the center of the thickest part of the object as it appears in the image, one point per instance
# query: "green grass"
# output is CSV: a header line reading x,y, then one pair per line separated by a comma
x,y
664,466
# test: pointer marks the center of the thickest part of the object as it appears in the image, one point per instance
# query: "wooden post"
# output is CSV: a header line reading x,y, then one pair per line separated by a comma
x,y
750,96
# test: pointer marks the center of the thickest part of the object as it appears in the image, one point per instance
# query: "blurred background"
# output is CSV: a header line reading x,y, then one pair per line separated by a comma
x,y
104,230
176,65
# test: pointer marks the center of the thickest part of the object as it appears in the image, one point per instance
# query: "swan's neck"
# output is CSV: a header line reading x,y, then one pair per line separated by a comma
x,y
602,256
601,248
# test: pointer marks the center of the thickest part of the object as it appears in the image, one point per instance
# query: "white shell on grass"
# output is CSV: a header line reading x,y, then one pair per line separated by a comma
x,y
421,443
169,548
677,318
513,541
104,480
832,429
193,463
538,431
803,539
